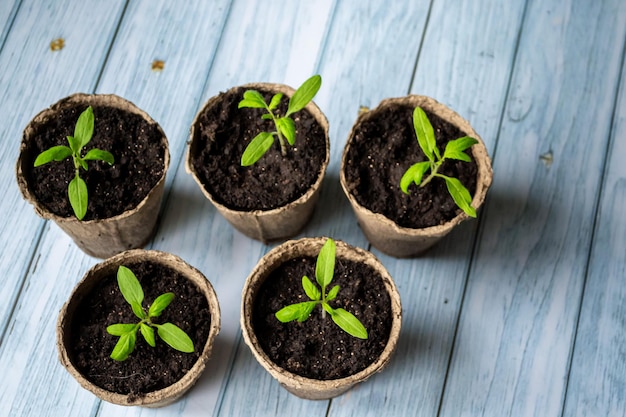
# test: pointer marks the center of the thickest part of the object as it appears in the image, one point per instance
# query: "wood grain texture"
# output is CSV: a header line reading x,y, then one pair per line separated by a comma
x,y
112,81
518,319
8,10
355,75
598,374
285,54
34,77
490,330
432,286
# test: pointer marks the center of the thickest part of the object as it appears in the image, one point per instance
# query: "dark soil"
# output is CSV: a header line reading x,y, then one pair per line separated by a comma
x,y
318,348
139,162
383,148
147,369
223,133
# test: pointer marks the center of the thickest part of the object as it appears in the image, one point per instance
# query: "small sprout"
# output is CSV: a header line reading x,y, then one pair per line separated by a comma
x,y
168,332
455,149
83,131
285,126
324,271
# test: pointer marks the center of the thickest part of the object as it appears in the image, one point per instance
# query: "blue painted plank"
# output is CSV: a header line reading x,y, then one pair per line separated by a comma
x,y
34,77
432,286
360,69
8,10
248,52
518,319
147,28
597,381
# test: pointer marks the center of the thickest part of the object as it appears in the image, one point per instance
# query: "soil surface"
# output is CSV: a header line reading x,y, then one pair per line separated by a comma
x,y
222,134
147,369
135,145
383,148
318,348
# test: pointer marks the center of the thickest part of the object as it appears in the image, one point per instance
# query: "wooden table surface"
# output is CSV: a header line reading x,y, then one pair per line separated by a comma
x,y
519,313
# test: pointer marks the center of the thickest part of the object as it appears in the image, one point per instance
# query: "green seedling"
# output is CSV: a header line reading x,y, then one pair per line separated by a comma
x,y
455,149
324,271
168,332
83,131
285,126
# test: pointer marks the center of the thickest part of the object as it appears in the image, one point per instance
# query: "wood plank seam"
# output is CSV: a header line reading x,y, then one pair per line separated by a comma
x,y
419,54
5,34
480,227
43,223
595,225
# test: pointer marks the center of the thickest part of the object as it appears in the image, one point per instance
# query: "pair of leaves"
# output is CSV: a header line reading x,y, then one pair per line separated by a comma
x,y
285,126
83,132
132,292
324,271
455,149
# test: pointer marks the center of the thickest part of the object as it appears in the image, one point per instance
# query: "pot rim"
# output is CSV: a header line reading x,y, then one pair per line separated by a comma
x,y
275,88
310,247
110,100
162,396
479,151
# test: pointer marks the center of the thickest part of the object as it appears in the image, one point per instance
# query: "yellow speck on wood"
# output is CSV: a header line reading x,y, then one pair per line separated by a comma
x,y
158,65
57,44
363,109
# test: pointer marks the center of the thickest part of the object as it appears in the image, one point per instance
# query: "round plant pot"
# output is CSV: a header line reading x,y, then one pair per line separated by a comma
x,y
108,236
260,224
382,232
306,387
92,280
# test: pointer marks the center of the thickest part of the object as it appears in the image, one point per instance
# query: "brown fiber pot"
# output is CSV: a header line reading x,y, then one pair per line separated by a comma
x,y
383,233
266,225
100,238
308,388
160,397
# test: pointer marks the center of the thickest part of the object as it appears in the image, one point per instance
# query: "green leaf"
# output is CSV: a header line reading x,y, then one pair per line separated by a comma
x,y
77,193
332,294
328,308
82,163
266,116
83,131
121,328
414,174
74,144
124,346
257,148
275,100
455,148
425,134
287,127
99,155
310,289
175,337
325,267
138,310
304,94
161,302
306,312
148,334
349,323
252,99
460,195
129,286
298,311
56,153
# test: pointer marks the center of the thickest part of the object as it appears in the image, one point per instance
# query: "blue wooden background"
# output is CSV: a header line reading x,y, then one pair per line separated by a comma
x,y
520,313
